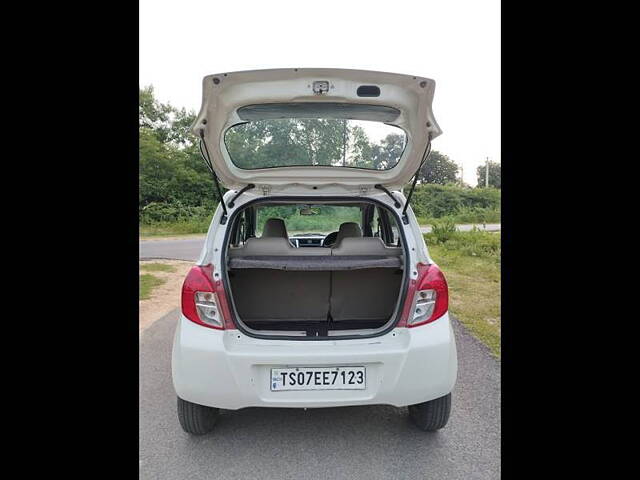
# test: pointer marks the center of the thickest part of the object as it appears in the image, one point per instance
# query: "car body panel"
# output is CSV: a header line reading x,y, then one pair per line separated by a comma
x,y
228,369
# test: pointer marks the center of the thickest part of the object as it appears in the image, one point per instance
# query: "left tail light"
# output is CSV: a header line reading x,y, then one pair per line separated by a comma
x,y
203,299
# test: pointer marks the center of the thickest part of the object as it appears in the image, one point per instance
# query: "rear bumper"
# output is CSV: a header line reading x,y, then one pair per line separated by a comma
x,y
227,369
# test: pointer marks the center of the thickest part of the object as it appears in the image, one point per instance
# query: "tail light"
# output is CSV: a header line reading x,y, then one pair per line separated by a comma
x,y
203,299
427,297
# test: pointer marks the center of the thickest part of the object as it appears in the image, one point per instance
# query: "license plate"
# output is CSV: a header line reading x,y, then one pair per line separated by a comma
x,y
318,378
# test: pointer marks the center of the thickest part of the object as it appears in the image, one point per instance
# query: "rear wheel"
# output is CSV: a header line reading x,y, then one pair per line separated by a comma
x,y
431,415
196,419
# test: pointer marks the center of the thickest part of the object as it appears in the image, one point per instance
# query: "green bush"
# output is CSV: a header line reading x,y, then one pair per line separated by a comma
x,y
173,212
462,205
443,231
476,243
175,228
476,215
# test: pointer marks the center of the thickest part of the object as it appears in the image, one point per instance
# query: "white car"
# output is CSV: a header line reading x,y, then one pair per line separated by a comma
x,y
314,287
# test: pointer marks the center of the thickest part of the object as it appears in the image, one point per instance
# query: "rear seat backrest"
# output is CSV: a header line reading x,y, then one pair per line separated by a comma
x,y
264,246
289,295
368,294
364,246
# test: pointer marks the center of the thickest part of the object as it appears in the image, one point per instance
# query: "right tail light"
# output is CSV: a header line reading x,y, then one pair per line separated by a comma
x,y
427,297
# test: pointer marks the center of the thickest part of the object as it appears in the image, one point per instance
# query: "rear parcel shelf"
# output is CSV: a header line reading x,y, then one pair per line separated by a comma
x,y
314,262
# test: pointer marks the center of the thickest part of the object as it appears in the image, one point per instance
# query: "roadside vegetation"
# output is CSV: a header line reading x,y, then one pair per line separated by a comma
x,y
471,264
157,267
169,229
147,283
177,196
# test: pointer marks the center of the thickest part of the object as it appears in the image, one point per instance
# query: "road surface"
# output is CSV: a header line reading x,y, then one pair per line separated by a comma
x,y
189,248
372,442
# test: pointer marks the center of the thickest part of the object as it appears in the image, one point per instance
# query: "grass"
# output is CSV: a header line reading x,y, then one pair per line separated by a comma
x,y
147,283
187,227
471,264
478,216
157,267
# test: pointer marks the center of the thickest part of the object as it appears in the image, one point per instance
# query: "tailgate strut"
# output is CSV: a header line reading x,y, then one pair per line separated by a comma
x,y
207,162
427,152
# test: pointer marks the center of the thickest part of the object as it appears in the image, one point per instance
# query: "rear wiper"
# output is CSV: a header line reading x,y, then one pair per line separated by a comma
x,y
427,152
207,162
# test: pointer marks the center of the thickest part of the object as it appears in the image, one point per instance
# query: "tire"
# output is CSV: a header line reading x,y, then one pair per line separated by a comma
x,y
432,415
196,419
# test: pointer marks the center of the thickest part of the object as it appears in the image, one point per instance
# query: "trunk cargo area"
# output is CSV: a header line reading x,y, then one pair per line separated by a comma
x,y
316,301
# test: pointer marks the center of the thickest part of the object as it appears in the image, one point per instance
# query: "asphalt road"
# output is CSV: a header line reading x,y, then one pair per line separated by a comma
x,y
183,249
372,442
189,248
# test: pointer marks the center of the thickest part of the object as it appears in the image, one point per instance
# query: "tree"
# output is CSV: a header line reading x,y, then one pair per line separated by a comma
x,y
172,174
153,116
168,124
438,168
359,148
494,175
170,168
387,154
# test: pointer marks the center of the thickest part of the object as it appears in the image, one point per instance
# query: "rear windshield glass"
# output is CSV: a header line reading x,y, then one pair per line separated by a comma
x,y
323,141
308,219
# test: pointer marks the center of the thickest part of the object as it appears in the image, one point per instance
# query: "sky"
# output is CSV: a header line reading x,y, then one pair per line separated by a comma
x,y
454,42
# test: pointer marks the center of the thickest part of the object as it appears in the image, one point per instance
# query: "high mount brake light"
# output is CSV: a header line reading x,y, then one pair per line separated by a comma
x,y
427,298
203,299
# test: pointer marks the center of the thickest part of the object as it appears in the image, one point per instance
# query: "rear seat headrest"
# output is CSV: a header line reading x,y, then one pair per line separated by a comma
x,y
347,230
274,228
274,246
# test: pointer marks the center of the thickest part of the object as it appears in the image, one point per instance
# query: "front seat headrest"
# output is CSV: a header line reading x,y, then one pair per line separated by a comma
x,y
348,229
275,227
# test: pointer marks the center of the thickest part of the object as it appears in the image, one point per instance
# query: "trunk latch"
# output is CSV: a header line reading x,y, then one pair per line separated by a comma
x,y
320,87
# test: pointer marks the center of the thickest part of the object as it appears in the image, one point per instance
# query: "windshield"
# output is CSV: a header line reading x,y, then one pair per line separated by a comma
x,y
308,219
287,142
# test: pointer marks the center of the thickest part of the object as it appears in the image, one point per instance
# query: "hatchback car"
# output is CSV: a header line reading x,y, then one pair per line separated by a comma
x,y
314,287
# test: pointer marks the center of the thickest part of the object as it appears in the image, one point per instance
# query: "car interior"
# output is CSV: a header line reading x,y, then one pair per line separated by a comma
x,y
343,282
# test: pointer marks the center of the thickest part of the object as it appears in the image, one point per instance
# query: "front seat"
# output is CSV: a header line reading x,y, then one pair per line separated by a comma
x,y
347,229
275,228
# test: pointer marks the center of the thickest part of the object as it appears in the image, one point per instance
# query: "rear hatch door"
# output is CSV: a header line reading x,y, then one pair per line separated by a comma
x,y
316,127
